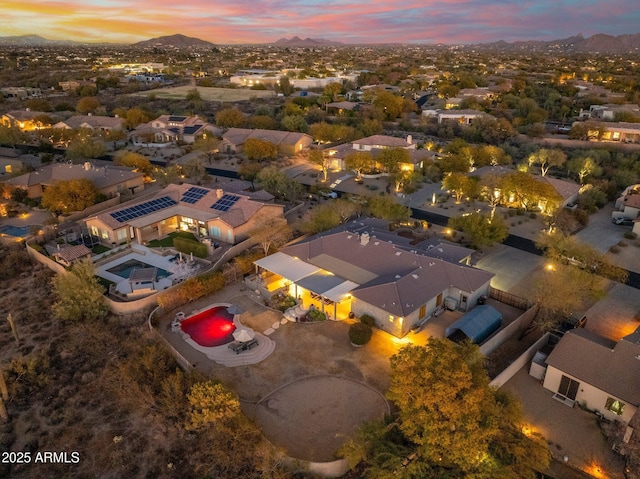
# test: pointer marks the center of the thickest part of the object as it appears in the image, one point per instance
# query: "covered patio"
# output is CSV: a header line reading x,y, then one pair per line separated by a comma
x,y
310,285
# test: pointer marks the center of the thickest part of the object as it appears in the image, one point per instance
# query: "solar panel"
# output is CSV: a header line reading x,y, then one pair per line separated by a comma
x,y
193,195
142,209
224,203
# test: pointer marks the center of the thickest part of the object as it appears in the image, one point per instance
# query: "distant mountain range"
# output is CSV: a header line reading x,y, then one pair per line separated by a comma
x,y
307,42
177,41
599,43
26,40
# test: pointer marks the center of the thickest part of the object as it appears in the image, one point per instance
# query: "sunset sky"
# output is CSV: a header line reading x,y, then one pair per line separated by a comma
x,y
354,21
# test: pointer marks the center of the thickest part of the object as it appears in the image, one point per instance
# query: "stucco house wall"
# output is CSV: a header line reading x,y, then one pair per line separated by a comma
x,y
593,398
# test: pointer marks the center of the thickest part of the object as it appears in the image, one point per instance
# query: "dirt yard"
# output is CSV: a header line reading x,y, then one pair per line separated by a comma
x,y
333,386
208,93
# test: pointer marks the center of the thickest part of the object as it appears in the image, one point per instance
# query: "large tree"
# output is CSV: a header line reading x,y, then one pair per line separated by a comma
x,y
257,149
271,233
83,146
70,195
134,160
359,161
459,425
547,158
230,118
79,295
481,229
319,158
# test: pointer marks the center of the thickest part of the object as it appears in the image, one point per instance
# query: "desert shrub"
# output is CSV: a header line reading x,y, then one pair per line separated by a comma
x,y
360,333
614,249
367,319
316,315
533,216
630,235
190,290
244,262
623,244
582,216
511,213
286,303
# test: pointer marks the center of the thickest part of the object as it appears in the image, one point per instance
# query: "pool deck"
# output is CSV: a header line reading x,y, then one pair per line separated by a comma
x,y
222,354
144,255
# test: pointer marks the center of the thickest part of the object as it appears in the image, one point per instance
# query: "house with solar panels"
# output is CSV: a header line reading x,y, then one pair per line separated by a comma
x,y
169,129
208,213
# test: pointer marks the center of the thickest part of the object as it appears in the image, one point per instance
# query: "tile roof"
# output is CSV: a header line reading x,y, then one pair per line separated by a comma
x,y
609,366
92,121
237,136
71,253
238,214
101,177
384,141
392,278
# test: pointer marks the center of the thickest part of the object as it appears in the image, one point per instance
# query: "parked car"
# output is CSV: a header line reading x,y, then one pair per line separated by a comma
x,y
622,221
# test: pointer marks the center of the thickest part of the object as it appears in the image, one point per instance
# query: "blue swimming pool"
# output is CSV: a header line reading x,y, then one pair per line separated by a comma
x,y
124,269
17,231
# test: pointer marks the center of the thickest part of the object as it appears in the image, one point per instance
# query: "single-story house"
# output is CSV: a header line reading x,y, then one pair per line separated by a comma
x,y
26,120
608,111
374,145
288,142
462,117
208,213
357,273
601,374
628,206
94,123
613,131
108,180
169,129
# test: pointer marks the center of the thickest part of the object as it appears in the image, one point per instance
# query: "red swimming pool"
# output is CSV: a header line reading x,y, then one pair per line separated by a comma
x,y
212,327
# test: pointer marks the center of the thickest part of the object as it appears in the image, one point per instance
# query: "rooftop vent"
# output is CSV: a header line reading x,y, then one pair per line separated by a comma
x,y
414,276
398,253
364,238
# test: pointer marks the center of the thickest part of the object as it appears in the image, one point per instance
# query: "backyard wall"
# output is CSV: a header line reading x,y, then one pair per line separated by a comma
x,y
116,307
524,359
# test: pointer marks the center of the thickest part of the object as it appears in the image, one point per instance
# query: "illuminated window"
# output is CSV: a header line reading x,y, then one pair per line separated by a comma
x,y
615,406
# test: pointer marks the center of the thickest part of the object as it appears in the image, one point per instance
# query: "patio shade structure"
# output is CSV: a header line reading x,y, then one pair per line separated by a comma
x,y
286,266
244,334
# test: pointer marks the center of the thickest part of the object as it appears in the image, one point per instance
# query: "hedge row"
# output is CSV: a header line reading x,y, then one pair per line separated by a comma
x,y
191,289
188,246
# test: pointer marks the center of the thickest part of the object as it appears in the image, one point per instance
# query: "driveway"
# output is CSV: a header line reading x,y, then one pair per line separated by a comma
x,y
510,266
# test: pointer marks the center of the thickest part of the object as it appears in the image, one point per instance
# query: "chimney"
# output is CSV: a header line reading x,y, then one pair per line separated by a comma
x,y
364,238
219,193
87,166
89,114
410,139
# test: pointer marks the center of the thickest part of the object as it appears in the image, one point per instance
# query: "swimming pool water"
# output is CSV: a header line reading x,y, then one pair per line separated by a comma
x,y
212,327
124,269
17,231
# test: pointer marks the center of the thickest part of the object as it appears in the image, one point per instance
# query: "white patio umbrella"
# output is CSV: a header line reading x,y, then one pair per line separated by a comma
x,y
233,309
244,334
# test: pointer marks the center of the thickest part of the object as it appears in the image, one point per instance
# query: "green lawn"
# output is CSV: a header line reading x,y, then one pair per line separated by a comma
x,y
99,248
168,241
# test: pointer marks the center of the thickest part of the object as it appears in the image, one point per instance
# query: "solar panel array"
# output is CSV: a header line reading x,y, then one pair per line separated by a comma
x,y
224,203
143,209
193,195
